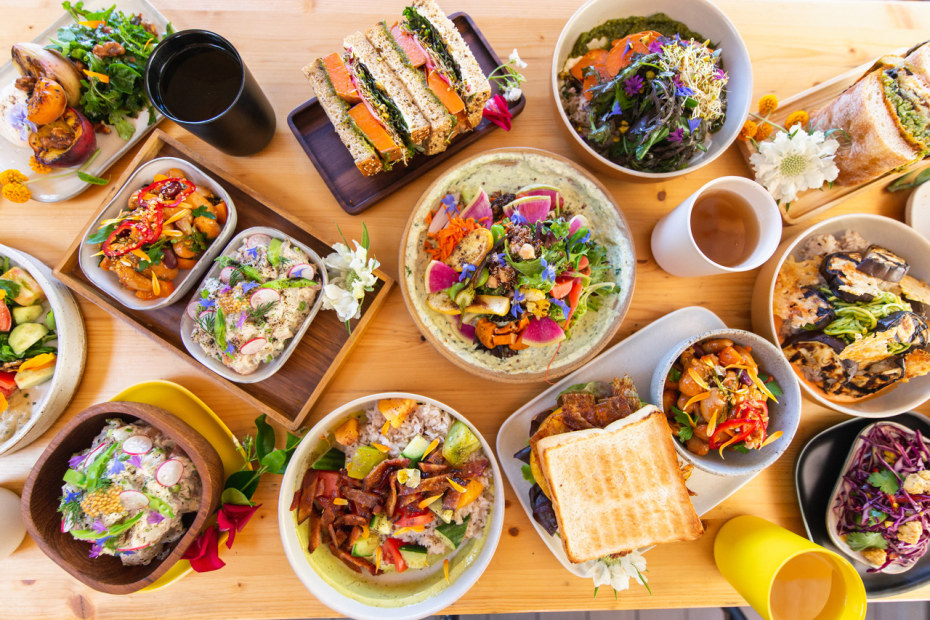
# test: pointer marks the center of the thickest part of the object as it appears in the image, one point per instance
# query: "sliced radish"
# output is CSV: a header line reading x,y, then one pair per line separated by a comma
x,y
64,528
301,270
93,453
205,313
169,473
192,309
126,549
225,272
574,224
137,444
258,239
264,296
133,500
440,219
253,346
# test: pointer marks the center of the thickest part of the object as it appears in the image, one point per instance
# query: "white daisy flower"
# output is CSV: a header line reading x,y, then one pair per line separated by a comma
x,y
342,301
516,61
795,161
513,93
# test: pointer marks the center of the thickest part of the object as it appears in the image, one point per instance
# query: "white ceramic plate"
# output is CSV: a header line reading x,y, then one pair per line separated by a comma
x,y
266,370
636,356
111,146
336,600
917,213
48,400
142,177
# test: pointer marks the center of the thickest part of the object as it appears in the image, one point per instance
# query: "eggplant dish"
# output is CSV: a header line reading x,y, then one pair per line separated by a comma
x,y
849,318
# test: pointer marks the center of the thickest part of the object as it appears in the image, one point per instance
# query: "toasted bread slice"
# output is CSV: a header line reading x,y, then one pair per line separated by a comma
x,y
364,154
414,80
619,488
477,86
416,125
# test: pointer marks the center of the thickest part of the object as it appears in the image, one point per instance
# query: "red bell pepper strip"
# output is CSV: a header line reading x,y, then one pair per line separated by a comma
x,y
7,383
390,550
414,518
127,237
748,424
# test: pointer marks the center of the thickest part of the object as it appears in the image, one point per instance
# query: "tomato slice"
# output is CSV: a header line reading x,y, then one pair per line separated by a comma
x,y
328,485
7,383
413,518
6,321
563,284
390,550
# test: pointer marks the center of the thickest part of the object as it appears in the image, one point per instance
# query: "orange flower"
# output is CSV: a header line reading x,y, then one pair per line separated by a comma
x,y
749,130
763,132
38,167
12,176
799,116
16,192
767,104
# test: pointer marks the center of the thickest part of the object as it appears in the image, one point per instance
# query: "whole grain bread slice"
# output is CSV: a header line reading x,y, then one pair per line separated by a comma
x,y
619,488
364,154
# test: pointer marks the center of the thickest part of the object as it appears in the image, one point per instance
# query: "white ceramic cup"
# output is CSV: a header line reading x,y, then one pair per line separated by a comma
x,y
673,243
12,529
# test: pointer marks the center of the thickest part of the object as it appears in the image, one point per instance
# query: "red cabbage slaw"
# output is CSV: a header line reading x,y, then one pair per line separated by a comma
x,y
860,506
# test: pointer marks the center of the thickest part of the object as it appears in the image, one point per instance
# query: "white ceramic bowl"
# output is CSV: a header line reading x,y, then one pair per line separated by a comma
x,y
917,213
318,585
50,399
784,415
142,177
12,529
892,234
700,16
265,370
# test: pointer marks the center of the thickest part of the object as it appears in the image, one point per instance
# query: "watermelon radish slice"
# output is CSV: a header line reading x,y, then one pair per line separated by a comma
x,y
264,296
89,458
192,309
169,473
439,276
64,528
258,240
553,192
533,208
542,332
205,313
225,272
137,444
467,331
479,209
440,219
133,500
576,223
253,346
301,270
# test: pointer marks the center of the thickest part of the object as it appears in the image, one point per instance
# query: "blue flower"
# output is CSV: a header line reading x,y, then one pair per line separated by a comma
x,y
586,237
676,135
629,46
75,460
693,124
515,309
548,270
517,218
224,289
616,110
97,547
230,349
207,303
248,286
561,304
467,270
115,467
451,206
72,496
498,259
252,252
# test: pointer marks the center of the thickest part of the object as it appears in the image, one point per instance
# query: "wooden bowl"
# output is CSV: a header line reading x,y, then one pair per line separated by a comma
x,y
510,169
43,489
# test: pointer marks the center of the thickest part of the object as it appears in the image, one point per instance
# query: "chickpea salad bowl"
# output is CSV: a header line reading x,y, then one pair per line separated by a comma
x,y
254,305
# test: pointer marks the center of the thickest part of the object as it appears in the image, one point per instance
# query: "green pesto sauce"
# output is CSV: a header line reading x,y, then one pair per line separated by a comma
x,y
618,28
910,116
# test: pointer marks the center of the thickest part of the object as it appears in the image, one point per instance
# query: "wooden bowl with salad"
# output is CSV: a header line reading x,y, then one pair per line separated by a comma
x,y
116,504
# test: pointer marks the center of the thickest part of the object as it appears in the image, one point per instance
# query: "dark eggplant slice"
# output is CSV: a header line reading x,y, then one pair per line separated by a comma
x,y
543,512
883,264
909,328
893,335
816,355
524,454
808,309
536,422
837,344
876,377
841,272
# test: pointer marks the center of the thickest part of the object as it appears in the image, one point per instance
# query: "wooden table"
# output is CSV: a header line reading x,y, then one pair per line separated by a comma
x,y
793,46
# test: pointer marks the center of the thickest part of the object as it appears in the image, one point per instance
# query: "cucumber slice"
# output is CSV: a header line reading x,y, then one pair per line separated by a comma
x,y
365,547
415,556
415,449
334,460
26,314
34,376
24,336
443,513
365,459
381,525
453,533
50,320
274,252
460,443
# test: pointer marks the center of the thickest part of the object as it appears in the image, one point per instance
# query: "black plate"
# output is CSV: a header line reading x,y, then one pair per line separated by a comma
x,y
819,465
354,191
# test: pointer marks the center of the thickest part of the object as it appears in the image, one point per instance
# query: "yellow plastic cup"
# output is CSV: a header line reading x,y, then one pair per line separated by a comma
x,y
750,552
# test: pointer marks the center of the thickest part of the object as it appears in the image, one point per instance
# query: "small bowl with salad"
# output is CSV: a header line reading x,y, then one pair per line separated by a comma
x,y
651,89
391,507
732,401
254,305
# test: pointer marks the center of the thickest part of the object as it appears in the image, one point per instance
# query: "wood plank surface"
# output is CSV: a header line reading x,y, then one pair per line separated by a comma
x,y
793,45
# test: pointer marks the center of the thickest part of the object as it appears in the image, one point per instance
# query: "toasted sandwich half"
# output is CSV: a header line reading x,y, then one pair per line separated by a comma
x,y
619,488
448,55
337,108
409,69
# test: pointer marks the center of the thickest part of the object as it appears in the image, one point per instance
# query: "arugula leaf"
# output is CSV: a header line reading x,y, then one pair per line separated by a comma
x,y
101,234
885,481
527,472
772,385
859,541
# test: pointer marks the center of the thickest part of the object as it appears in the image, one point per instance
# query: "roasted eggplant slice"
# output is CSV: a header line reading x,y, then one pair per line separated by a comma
x,y
817,358
837,344
883,264
841,272
876,377
808,309
894,334
543,512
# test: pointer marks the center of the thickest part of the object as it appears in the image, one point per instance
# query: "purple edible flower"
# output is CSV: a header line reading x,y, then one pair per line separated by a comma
x,y
252,252
561,304
548,270
586,237
154,518
515,309
95,550
616,110
207,303
693,124
98,526
451,206
135,460
676,135
517,218
720,75
241,320
248,286
655,46
224,290
230,349
633,85
467,270
115,467
75,460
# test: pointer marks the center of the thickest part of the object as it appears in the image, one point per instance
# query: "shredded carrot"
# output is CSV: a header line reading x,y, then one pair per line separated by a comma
x,y
103,77
445,240
429,218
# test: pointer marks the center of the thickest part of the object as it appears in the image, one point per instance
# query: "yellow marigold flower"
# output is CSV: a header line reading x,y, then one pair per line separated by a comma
x,y
800,116
16,192
763,132
768,104
749,130
38,167
12,176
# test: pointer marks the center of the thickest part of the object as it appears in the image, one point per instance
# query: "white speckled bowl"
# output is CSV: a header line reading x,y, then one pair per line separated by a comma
x,y
917,214
784,415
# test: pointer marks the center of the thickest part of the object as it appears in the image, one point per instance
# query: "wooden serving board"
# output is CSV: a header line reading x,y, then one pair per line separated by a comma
x,y
288,395
354,191
813,202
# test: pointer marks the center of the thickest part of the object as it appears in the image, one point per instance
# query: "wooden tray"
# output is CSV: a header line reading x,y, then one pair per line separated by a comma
x,y
814,202
288,395
354,191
